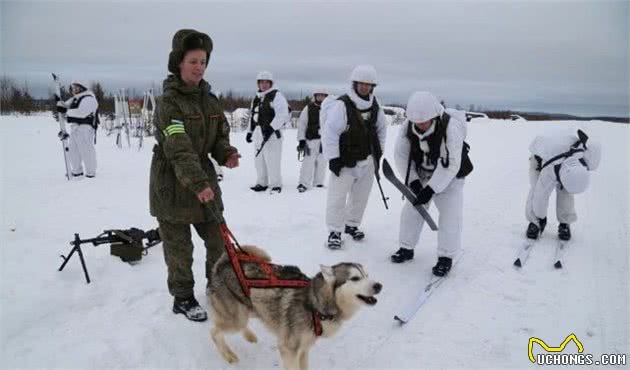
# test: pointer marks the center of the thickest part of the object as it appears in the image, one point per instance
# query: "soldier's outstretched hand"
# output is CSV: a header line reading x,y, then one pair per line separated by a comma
x,y
233,161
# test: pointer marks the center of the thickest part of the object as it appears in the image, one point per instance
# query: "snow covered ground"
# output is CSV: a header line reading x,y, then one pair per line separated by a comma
x,y
481,317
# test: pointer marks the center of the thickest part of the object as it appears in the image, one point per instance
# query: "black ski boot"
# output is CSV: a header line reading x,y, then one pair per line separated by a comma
x,y
533,231
190,308
564,232
402,255
443,266
258,188
354,232
275,190
301,188
334,240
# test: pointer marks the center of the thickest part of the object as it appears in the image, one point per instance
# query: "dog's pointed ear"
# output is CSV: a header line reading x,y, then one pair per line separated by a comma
x,y
328,273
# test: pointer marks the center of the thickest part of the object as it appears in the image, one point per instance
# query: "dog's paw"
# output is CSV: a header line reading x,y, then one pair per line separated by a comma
x,y
230,356
250,336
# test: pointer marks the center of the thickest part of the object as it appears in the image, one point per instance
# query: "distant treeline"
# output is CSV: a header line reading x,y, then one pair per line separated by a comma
x,y
15,98
537,116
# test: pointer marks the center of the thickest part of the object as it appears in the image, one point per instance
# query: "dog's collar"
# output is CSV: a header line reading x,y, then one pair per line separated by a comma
x,y
318,317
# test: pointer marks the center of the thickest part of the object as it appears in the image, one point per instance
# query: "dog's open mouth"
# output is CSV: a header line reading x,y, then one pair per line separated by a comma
x,y
368,300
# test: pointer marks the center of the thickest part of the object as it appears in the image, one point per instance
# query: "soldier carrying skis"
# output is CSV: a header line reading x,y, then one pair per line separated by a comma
x,y
81,112
432,155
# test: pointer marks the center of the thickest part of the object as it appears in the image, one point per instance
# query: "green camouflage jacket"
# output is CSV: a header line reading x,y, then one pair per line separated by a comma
x,y
190,125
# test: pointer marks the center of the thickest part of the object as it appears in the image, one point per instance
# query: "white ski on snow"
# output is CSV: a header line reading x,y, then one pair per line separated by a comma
x,y
412,308
561,250
528,245
409,312
523,253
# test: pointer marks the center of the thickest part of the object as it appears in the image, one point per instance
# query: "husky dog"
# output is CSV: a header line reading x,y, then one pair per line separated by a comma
x,y
333,296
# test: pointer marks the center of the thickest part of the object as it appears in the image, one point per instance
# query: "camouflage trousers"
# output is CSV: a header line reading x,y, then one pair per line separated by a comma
x,y
178,253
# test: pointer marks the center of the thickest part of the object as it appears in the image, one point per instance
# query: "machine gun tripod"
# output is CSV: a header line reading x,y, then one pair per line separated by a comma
x,y
126,244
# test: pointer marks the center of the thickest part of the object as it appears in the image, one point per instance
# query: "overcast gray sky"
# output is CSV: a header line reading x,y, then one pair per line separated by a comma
x,y
561,56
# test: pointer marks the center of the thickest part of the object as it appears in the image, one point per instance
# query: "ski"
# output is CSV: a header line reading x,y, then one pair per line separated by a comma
x,y
561,249
407,193
63,134
523,253
410,311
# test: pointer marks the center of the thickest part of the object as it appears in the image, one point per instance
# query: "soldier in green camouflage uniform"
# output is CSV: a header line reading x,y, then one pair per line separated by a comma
x,y
184,190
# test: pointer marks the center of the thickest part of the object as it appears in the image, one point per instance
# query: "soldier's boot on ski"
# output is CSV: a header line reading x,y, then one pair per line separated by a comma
x,y
402,255
275,190
564,232
535,230
190,308
532,231
301,188
443,266
334,240
354,232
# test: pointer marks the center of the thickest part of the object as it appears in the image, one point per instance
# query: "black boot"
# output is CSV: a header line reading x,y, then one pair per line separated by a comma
x,y
533,231
275,190
258,188
564,232
402,255
354,232
301,188
334,240
443,266
190,308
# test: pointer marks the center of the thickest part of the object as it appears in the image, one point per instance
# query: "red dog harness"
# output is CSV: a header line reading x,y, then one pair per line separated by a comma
x,y
272,281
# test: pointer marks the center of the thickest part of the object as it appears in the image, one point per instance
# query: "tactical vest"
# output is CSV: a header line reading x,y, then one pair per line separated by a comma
x,y
359,140
434,142
89,120
312,127
266,113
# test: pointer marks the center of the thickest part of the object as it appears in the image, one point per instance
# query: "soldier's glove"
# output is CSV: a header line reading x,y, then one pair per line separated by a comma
x,y
542,222
301,148
62,135
278,134
424,196
416,187
61,107
267,131
248,137
335,166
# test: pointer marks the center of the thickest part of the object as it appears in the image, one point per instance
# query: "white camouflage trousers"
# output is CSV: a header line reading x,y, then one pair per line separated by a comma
x,y
348,195
565,202
268,163
82,152
313,164
450,205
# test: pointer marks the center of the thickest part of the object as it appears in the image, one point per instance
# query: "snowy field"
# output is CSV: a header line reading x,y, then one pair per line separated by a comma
x,y
481,317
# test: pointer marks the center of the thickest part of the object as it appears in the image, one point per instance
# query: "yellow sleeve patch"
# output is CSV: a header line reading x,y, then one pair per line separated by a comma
x,y
176,127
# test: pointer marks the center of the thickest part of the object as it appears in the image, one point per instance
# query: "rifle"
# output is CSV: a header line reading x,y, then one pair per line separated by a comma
x,y
126,244
278,135
303,152
377,153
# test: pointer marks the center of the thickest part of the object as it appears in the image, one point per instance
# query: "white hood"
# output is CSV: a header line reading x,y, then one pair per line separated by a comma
x,y
423,106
